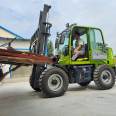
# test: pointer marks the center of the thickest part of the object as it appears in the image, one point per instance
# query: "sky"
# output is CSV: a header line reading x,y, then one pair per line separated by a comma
x,y
21,16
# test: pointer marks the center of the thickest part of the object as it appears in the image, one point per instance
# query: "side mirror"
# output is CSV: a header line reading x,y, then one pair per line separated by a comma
x,y
62,39
106,45
56,43
66,50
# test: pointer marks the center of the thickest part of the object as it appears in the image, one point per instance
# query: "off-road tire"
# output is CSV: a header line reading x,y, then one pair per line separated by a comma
x,y
44,82
32,80
97,77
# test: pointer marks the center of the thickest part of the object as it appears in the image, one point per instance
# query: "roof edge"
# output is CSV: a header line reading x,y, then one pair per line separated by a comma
x,y
17,36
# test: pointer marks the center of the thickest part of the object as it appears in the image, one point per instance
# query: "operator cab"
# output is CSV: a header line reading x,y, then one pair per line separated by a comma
x,y
93,45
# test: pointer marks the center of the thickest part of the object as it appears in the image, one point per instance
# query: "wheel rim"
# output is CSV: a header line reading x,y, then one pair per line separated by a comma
x,y
55,82
106,77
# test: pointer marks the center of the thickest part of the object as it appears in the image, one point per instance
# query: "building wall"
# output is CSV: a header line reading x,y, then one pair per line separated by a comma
x,y
18,44
22,45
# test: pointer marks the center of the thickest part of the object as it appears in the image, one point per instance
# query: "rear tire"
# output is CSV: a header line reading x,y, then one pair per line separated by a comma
x,y
104,77
53,82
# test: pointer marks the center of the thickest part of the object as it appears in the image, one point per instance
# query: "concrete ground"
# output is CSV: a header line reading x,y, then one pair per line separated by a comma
x,y
18,99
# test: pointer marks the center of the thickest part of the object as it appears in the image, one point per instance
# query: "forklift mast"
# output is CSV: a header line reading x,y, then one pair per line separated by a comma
x,y
38,49
38,44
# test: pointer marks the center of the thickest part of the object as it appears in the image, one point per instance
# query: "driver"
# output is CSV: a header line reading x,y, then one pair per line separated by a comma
x,y
79,48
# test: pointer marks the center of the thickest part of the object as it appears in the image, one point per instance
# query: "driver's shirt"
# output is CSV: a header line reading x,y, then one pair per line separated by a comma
x,y
77,43
80,42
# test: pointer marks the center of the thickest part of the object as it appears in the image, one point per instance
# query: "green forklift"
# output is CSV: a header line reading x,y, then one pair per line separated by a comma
x,y
95,64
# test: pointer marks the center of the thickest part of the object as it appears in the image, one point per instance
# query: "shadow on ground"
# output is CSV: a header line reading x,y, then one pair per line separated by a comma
x,y
28,94
70,88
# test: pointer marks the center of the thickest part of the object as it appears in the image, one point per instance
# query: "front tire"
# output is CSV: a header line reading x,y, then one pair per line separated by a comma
x,y
32,82
53,82
104,77
33,79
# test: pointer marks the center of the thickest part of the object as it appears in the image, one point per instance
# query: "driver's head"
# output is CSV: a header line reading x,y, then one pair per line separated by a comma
x,y
76,35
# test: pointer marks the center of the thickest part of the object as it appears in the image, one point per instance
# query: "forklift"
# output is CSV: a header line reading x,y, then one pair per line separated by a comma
x,y
51,76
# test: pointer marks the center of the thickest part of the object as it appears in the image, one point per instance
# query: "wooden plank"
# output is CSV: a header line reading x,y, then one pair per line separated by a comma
x,y
22,57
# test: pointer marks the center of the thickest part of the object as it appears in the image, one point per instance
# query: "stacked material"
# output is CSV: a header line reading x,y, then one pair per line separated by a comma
x,y
18,57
